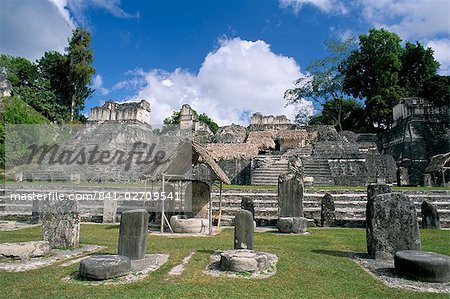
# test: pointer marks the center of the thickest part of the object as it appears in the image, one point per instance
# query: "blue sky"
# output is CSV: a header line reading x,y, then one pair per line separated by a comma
x,y
225,58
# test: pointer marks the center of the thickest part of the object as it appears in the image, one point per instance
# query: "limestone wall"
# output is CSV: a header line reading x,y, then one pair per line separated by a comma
x,y
112,111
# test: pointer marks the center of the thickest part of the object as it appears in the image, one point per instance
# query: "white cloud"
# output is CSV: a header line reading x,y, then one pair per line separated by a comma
x,y
239,78
327,6
29,28
411,19
97,83
441,49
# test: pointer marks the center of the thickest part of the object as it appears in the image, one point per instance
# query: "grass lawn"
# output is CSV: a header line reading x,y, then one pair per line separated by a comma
x,y
312,266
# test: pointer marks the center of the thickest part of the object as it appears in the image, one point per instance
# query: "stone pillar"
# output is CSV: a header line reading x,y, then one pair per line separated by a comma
x,y
109,210
290,195
247,204
391,225
133,234
427,180
327,211
430,216
243,230
61,223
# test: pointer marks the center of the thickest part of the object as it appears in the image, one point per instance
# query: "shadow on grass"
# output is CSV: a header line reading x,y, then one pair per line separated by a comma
x,y
206,251
338,253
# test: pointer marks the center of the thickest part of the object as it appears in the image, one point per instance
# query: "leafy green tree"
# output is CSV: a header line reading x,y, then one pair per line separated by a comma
x,y
176,116
437,90
372,72
418,66
324,85
80,58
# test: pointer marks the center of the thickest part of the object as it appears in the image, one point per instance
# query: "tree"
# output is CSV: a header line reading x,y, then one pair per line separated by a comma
x,y
345,114
324,86
80,71
418,66
176,116
372,72
437,90
381,72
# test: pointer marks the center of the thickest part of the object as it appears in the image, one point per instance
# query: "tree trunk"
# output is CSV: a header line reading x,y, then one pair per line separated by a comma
x,y
72,108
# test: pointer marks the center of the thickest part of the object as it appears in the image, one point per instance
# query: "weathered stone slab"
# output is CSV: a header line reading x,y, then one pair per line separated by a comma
x,y
61,223
243,230
101,267
133,234
295,225
247,204
423,266
376,189
109,210
327,211
24,250
290,195
244,261
430,216
391,225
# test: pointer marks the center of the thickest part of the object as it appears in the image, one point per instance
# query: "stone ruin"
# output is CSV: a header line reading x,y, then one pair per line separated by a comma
x,y
430,216
189,121
122,112
5,86
391,223
263,122
327,211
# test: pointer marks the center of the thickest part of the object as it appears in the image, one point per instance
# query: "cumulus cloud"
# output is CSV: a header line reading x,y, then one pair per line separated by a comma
x,y
30,28
97,83
327,6
441,49
239,78
409,18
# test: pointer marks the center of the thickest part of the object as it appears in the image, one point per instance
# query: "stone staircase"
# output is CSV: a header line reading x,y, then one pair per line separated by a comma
x,y
267,169
319,169
350,205
305,151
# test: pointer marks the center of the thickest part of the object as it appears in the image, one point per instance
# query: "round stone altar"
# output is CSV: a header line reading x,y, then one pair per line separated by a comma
x,y
293,225
244,260
188,225
422,265
101,267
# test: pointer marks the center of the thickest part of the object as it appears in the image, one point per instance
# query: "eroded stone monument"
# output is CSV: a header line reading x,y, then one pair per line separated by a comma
x,y
391,225
290,195
430,216
133,234
243,230
247,204
327,211
61,223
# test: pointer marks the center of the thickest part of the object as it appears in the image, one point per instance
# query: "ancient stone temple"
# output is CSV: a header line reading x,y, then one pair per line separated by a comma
x,y
189,121
126,112
5,86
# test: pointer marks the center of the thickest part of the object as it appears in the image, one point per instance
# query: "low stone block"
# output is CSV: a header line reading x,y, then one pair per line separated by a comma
x,y
422,265
244,260
189,225
133,234
101,267
24,250
295,225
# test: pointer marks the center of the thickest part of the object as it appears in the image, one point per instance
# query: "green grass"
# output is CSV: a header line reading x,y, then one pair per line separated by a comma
x,y
312,266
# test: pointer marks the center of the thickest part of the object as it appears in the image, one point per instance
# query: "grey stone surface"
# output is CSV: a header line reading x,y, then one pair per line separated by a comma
x,y
376,189
327,211
133,234
292,225
243,261
423,266
430,216
290,195
109,210
61,223
243,230
391,225
189,225
101,267
247,204
24,250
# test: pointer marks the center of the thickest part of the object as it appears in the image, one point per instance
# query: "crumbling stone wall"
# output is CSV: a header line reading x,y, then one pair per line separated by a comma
x,y
112,111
